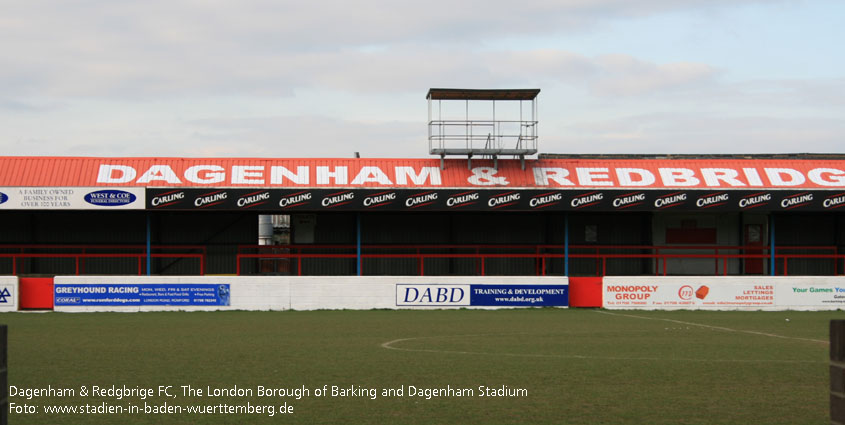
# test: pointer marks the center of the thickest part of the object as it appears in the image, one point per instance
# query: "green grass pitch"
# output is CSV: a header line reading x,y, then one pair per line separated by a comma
x,y
575,366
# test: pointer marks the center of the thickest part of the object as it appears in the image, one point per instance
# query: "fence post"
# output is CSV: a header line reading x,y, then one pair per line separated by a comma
x,y
566,244
358,266
4,376
149,245
837,372
772,253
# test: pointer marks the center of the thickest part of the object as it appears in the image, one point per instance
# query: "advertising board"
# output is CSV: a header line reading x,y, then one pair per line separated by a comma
x,y
71,198
523,199
801,295
172,294
481,295
8,293
724,293
203,293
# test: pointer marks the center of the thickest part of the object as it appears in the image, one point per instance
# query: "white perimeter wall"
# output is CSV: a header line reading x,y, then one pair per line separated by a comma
x,y
298,293
724,293
9,302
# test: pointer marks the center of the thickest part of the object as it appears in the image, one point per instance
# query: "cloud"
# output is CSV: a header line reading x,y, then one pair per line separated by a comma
x,y
623,75
22,106
265,136
793,96
670,132
156,49
396,70
307,136
258,24
283,78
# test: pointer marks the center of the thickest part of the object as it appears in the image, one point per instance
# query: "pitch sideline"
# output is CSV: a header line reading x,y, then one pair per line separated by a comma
x,y
389,345
720,328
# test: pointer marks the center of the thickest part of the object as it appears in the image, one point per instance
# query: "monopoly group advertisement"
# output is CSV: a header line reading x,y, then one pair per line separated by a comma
x,y
729,293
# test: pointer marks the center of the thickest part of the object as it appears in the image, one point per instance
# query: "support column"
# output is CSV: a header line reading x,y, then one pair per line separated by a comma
x,y
149,244
771,244
566,244
358,243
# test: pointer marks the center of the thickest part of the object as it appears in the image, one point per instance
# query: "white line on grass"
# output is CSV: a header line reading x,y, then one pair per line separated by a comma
x,y
720,328
389,345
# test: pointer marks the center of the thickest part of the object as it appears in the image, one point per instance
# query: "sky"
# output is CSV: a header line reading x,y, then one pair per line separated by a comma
x,y
284,79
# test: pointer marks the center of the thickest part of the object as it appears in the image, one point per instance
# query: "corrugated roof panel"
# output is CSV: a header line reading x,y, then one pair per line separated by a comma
x,y
32,173
575,172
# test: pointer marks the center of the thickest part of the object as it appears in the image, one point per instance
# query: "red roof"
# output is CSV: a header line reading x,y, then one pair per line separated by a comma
x,y
610,173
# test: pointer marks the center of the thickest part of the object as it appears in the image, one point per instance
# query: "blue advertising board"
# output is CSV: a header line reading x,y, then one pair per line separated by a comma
x,y
519,295
123,294
487,295
110,198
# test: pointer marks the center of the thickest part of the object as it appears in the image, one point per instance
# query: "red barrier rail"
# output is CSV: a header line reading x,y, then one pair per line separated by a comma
x,y
79,253
542,254
662,253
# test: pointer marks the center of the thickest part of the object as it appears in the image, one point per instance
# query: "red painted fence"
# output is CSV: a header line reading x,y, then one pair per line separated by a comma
x,y
543,255
78,254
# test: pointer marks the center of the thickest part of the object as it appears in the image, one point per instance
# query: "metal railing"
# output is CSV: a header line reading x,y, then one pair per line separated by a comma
x,y
483,137
79,255
544,255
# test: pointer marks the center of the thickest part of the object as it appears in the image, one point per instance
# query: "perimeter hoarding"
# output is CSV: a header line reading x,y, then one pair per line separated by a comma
x,y
114,294
309,292
724,293
9,293
481,295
